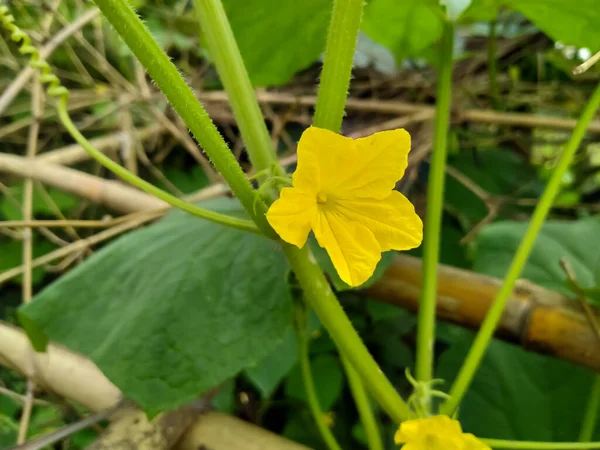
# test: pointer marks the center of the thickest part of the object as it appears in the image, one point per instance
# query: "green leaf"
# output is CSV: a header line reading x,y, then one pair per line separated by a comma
x,y
172,310
269,372
328,378
324,261
405,28
480,10
8,431
12,211
573,23
518,395
278,38
497,244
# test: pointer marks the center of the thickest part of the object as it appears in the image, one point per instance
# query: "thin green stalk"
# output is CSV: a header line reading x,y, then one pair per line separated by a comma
x,y
492,65
532,445
321,298
363,405
223,219
488,327
307,379
218,37
433,217
168,79
337,67
591,412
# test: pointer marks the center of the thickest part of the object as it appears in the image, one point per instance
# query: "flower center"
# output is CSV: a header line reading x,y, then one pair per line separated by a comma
x,y
321,197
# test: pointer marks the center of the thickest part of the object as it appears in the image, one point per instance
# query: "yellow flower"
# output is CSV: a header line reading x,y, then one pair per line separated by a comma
x,y
436,433
343,190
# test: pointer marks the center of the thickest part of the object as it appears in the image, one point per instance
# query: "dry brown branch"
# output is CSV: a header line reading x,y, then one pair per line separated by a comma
x,y
72,154
538,319
113,194
397,107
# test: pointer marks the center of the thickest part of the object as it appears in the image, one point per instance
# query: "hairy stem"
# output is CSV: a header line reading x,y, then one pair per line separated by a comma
x,y
320,297
223,219
218,37
168,79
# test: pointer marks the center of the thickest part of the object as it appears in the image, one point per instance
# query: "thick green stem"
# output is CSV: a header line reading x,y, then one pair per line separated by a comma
x,y
218,37
337,67
223,219
433,217
493,66
320,297
307,378
168,79
471,363
591,412
363,405
532,445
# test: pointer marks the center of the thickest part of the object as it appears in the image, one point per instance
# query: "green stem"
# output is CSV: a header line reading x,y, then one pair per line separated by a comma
x,y
168,79
544,205
363,405
433,217
591,412
337,66
532,445
220,41
241,224
492,65
307,378
321,298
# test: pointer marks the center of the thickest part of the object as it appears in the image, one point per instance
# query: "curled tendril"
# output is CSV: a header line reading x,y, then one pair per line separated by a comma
x,y
55,89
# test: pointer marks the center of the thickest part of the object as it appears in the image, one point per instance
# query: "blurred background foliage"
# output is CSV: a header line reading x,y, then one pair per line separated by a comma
x,y
497,170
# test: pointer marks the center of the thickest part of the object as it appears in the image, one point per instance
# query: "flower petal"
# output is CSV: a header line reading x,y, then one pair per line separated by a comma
x,y
320,153
382,160
472,443
392,220
292,214
353,249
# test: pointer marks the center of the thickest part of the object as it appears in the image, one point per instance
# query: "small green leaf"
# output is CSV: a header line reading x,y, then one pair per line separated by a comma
x,y
497,243
170,311
405,28
278,38
572,23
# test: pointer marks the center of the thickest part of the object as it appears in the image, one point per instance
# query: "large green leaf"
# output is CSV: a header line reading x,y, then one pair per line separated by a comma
x,y
278,38
574,240
573,23
172,310
518,395
404,27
